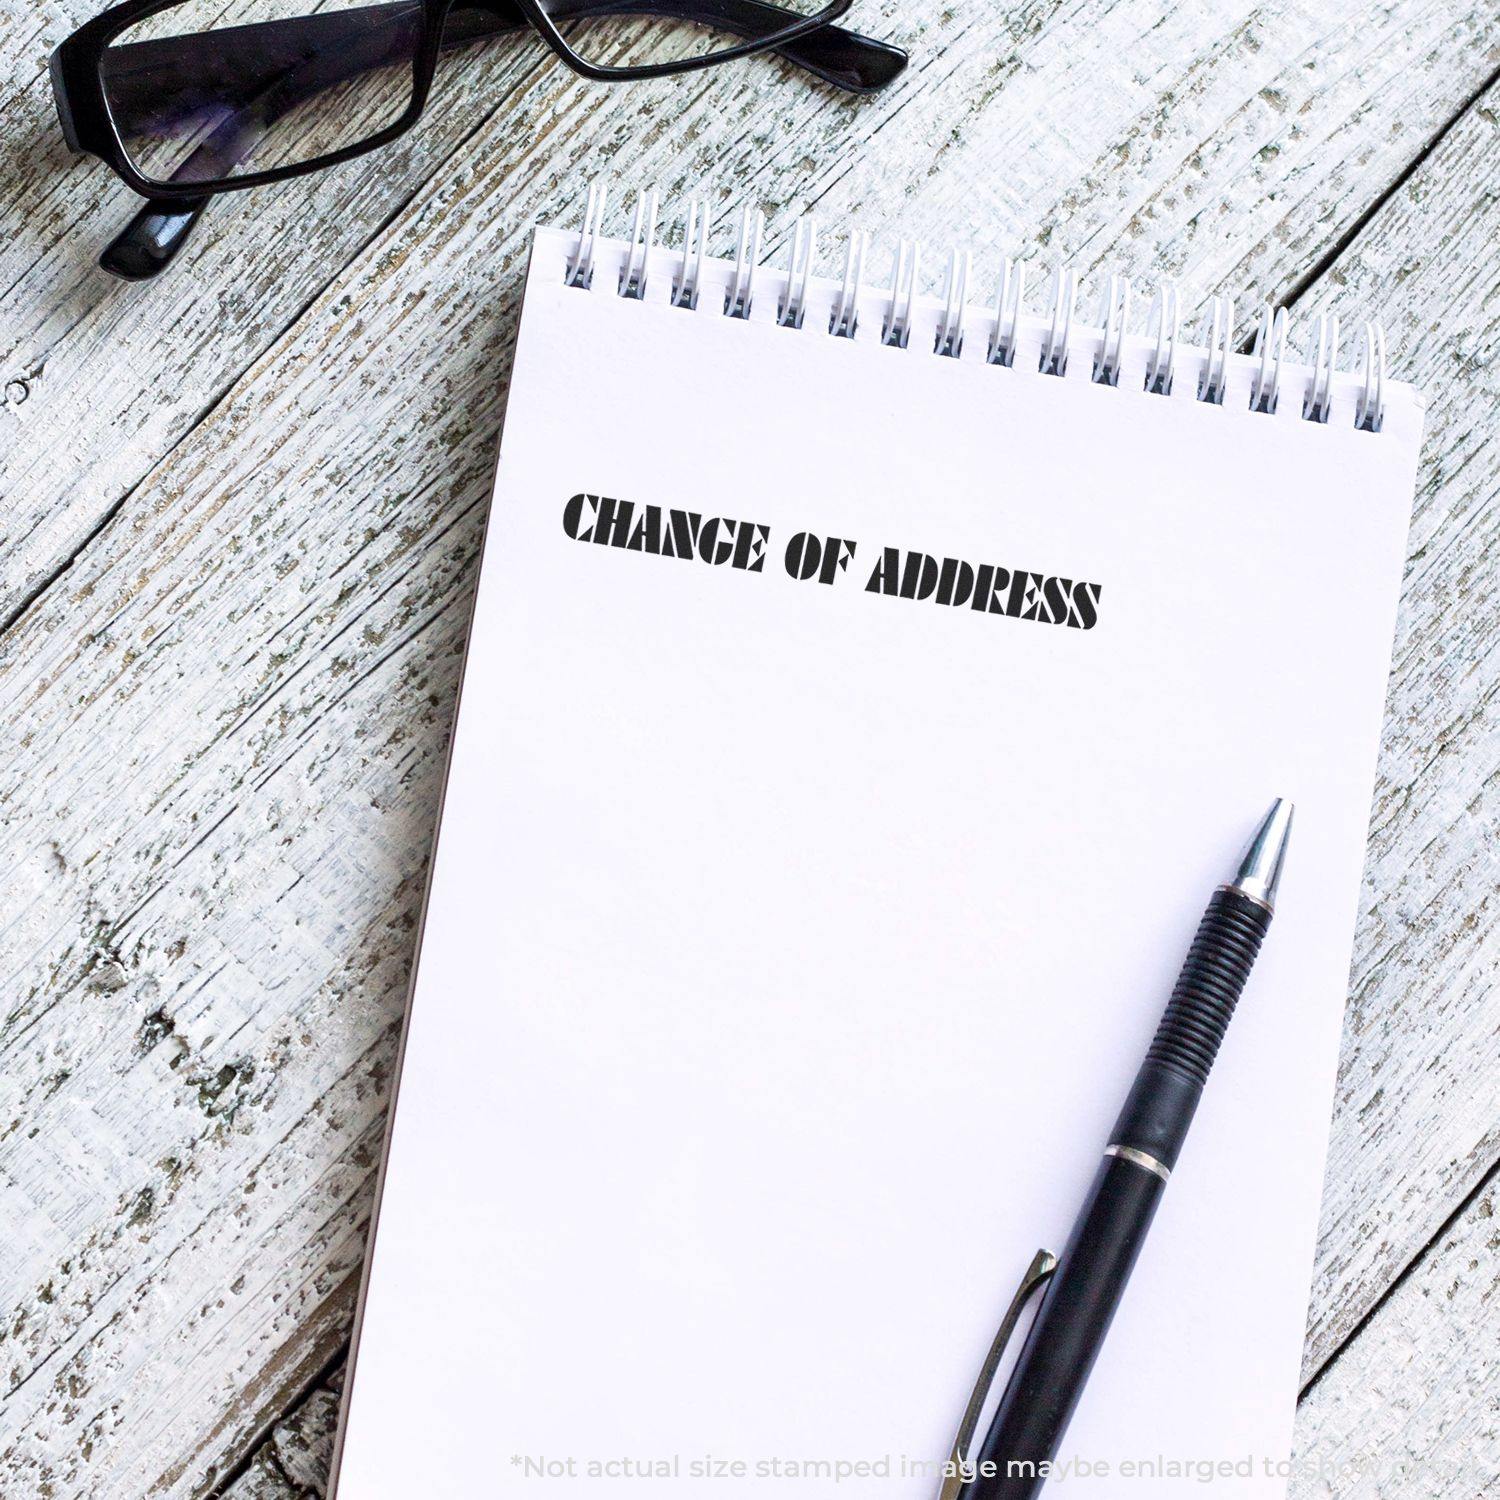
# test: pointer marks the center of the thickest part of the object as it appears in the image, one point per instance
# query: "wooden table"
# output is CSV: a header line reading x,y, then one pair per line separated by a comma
x,y
240,514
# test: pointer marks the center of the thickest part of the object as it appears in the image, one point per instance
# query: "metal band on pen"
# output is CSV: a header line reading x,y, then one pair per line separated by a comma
x,y
1140,1159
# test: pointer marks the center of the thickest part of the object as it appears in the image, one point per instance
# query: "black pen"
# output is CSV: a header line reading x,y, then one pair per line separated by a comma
x,y
1087,1280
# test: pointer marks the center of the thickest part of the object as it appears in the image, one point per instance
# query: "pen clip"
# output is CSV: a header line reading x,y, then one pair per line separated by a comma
x,y
1043,1264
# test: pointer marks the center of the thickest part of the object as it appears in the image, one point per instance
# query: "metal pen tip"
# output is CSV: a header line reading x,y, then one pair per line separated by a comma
x,y
1260,870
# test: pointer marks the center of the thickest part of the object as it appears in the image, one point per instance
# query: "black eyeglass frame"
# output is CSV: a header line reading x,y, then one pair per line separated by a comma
x,y
77,72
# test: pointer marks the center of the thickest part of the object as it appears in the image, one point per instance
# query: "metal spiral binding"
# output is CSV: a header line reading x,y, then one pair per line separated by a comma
x,y
581,266
1326,336
843,321
1369,413
1166,319
1054,360
950,334
793,306
741,294
1218,339
1270,345
1008,299
1114,318
642,238
897,328
689,277
1213,358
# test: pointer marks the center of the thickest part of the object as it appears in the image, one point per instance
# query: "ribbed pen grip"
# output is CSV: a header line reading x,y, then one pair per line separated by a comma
x,y
1161,1105
1209,986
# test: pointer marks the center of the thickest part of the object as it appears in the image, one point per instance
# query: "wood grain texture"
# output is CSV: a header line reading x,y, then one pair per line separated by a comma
x,y
1417,1122
293,1462
256,491
1408,1409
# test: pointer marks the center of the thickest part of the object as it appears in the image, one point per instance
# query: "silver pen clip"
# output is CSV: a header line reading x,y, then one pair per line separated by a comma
x,y
959,1474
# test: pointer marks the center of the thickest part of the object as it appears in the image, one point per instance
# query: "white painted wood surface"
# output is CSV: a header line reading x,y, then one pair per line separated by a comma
x,y
238,519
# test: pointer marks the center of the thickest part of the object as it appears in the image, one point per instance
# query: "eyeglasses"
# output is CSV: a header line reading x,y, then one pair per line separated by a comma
x,y
188,98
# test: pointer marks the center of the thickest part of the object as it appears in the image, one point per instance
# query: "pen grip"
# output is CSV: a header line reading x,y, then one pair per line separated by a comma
x,y
1170,1082
1065,1337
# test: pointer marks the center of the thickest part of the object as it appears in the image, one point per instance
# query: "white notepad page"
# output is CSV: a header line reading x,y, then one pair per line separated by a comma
x,y
791,946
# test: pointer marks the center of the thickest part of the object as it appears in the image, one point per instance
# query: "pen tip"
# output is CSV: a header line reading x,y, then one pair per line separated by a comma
x,y
1259,873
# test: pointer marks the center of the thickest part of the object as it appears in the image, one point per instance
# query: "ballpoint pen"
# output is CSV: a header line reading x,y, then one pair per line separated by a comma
x,y
1083,1286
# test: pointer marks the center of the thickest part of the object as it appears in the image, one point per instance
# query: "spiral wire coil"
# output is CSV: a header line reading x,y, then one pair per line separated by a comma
x,y
1215,350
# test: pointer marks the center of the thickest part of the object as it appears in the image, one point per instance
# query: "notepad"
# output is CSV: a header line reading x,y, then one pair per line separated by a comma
x,y
865,691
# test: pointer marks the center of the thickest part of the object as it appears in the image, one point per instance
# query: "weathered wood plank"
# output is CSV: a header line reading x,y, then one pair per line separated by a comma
x,y
1410,1408
230,717
1150,132
1416,1123
294,1459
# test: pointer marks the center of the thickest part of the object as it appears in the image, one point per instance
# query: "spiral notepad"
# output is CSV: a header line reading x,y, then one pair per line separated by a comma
x,y
864,688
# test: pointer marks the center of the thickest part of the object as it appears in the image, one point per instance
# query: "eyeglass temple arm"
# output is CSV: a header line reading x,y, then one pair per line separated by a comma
x,y
152,237
843,58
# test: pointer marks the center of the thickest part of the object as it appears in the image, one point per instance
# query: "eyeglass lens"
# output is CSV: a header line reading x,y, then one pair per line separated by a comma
x,y
215,89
